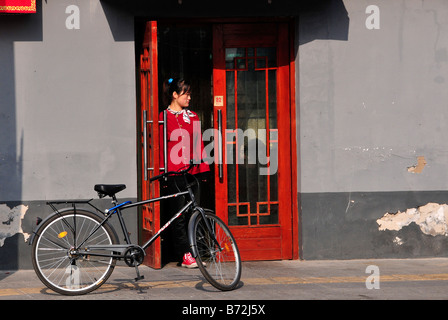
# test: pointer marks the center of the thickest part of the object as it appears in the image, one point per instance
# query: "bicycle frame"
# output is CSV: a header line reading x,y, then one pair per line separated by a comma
x,y
117,208
174,217
126,205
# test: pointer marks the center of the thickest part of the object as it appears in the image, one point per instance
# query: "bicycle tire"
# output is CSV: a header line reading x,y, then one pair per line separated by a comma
x,y
222,268
55,262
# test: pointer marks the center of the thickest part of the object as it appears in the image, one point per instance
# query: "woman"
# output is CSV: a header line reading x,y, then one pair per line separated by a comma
x,y
184,144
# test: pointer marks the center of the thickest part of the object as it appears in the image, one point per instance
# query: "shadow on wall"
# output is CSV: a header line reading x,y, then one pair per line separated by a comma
x,y
323,20
13,28
318,19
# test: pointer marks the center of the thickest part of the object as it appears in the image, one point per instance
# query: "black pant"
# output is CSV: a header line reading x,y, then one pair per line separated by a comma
x,y
178,230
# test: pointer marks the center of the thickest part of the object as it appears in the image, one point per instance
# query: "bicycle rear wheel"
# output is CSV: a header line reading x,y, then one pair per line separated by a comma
x,y
58,263
220,264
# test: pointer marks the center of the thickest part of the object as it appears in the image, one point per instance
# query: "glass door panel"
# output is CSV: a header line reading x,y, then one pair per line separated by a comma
x,y
251,136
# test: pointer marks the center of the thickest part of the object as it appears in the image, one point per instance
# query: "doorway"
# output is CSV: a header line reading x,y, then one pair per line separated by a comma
x,y
185,51
241,90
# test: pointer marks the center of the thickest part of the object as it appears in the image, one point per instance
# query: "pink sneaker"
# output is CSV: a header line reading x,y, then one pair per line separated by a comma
x,y
189,262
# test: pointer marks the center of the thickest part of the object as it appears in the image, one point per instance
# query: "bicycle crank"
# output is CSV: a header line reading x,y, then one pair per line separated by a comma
x,y
133,257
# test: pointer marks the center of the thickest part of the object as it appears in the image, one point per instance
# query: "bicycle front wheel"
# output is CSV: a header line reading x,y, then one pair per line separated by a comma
x,y
220,262
60,264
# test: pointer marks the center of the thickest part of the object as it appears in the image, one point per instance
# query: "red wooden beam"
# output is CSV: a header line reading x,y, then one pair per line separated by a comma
x,y
18,6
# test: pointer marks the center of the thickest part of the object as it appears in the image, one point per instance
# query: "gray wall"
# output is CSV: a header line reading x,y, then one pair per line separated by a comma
x,y
370,106
67,114
71,98
378,101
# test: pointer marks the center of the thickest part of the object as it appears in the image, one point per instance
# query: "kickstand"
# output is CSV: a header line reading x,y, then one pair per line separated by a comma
x,y
139,277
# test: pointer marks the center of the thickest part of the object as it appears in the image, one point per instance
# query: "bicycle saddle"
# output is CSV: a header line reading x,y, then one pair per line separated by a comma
x,y
109,189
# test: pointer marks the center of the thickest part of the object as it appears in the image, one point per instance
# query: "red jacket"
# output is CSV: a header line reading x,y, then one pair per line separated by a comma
x,y
184,141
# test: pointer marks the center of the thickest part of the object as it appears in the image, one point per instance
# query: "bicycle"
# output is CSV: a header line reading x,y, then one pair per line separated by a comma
x,y
75,250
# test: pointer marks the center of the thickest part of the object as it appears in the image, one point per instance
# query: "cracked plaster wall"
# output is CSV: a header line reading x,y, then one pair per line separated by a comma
x,y
373,124
11,222
432,219
371,105
67,115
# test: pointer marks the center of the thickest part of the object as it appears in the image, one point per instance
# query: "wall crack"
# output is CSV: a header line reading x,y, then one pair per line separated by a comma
x,y
418,168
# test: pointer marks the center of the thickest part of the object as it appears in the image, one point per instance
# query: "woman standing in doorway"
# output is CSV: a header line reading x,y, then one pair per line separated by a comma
x,y
184,144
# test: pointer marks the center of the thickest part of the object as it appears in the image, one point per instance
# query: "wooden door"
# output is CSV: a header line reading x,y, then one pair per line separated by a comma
x,y
252,111
150,143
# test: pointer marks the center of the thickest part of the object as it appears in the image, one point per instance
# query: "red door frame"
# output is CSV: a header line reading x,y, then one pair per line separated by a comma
x,y
149,103
281,241
149,106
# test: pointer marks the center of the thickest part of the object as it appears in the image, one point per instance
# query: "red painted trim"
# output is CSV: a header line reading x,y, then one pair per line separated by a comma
x,y
149,103
18,6
294,169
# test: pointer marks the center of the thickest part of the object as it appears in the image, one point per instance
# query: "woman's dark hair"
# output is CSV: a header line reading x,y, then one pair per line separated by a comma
x,y
178,85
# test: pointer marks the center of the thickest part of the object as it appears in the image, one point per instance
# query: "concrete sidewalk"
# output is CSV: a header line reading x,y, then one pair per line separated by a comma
x,y
261,281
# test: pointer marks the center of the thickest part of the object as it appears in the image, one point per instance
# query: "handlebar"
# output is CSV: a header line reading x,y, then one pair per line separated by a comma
x,y
172,173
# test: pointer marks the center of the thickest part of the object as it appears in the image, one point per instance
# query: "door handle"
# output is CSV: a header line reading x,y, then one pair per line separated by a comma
x,y
165,142
145,145
220,151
